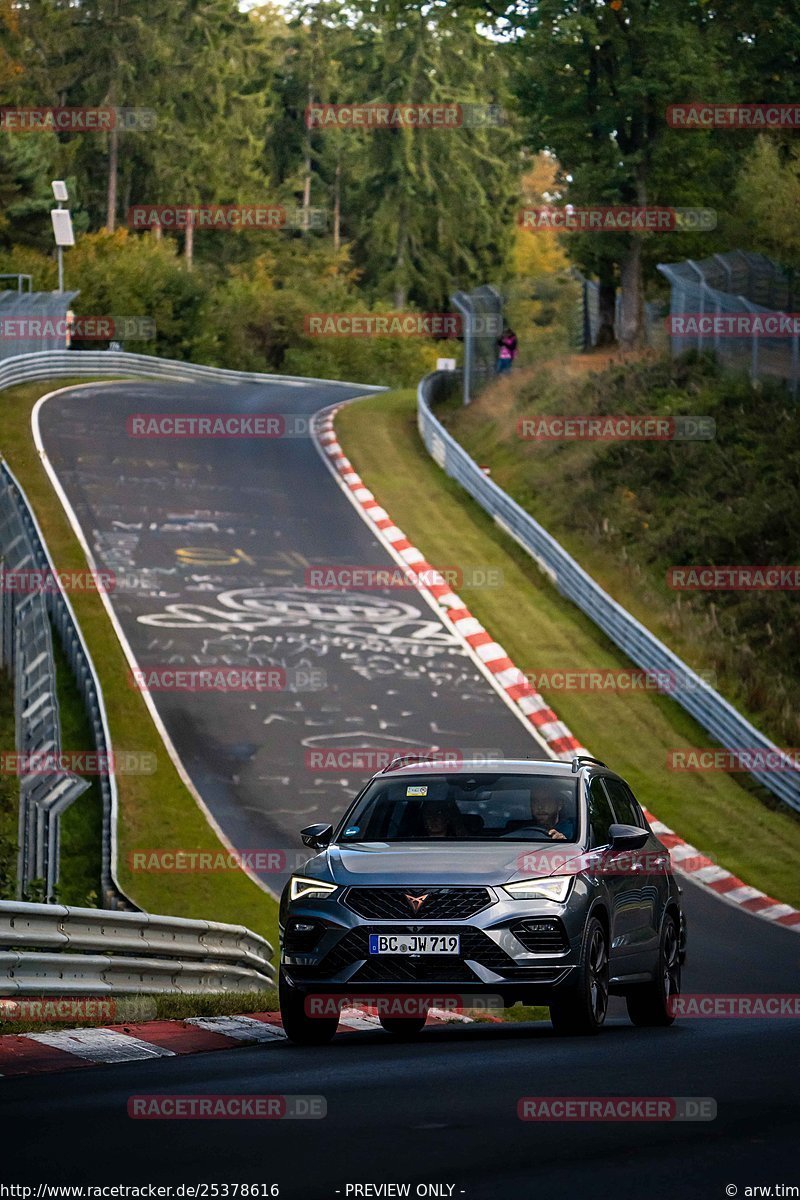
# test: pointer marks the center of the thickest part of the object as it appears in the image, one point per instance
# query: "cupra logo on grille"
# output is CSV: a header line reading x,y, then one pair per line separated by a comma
x,y
416,902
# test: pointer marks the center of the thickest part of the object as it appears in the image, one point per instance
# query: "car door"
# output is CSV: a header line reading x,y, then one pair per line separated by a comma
x,y
642,894
600,867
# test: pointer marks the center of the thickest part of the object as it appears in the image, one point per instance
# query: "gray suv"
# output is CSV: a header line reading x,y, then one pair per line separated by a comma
x,y
539,882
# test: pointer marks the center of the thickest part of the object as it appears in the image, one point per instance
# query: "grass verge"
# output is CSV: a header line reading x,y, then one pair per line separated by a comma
x,y
82,824
622,509
155,810
130,1010
741,826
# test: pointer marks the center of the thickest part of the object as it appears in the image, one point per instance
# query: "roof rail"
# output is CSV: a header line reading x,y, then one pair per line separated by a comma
x,y
579,759
405,758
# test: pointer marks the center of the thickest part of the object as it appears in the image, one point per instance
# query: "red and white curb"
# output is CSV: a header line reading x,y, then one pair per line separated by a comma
x,y
486,652
71,1049
512,684
701,869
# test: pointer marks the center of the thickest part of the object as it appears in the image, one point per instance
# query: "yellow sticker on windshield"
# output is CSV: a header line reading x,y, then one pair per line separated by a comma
x,y
416,791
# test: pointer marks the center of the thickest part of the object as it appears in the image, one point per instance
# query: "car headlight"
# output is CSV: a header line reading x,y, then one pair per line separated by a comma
x,y
552,888
300,887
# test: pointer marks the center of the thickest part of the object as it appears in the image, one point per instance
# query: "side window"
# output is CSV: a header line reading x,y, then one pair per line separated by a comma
x,y
625,806
600,814
641,820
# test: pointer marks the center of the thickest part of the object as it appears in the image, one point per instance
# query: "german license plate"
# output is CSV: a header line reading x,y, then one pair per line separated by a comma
x,y
414,943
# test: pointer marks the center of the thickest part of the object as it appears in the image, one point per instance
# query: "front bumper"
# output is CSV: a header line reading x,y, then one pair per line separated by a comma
x,y
518,950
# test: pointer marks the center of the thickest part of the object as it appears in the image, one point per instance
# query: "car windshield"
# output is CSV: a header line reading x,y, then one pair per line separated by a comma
x,y
465,808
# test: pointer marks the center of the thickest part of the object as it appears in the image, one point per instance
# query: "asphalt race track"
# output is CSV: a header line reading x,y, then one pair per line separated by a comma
x,y
441,1110
211,542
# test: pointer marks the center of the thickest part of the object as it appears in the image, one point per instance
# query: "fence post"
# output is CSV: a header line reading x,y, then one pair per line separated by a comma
x,y
749,307
458,300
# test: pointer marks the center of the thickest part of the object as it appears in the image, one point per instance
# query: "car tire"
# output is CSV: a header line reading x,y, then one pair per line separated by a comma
x,y
582,1009
403,1027
300,1028
649,1003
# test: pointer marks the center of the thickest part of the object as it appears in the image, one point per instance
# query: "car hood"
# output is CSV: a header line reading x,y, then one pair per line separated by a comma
x,y
399,864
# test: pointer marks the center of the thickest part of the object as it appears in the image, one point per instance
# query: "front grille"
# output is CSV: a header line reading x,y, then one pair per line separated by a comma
x,y
354,946
440,903
384,969
544,935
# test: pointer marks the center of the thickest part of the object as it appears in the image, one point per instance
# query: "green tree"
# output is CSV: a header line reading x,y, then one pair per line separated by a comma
x,y
95,54
768,195
595,81
437,206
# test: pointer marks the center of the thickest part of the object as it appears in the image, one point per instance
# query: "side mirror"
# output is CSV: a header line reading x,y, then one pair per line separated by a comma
x,y
627,837
316,837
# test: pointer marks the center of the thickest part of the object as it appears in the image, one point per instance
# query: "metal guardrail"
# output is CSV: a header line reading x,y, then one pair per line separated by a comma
x,y
43,798
710,710
27,654
53,949
63,364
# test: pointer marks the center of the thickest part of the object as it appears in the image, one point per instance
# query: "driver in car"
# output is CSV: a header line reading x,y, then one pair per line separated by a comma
x,y
546,813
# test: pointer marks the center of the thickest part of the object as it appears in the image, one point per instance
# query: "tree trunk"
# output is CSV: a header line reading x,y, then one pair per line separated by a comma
x,y
188,248
631,316
607,304
337,205
113,167
307,170
400,287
